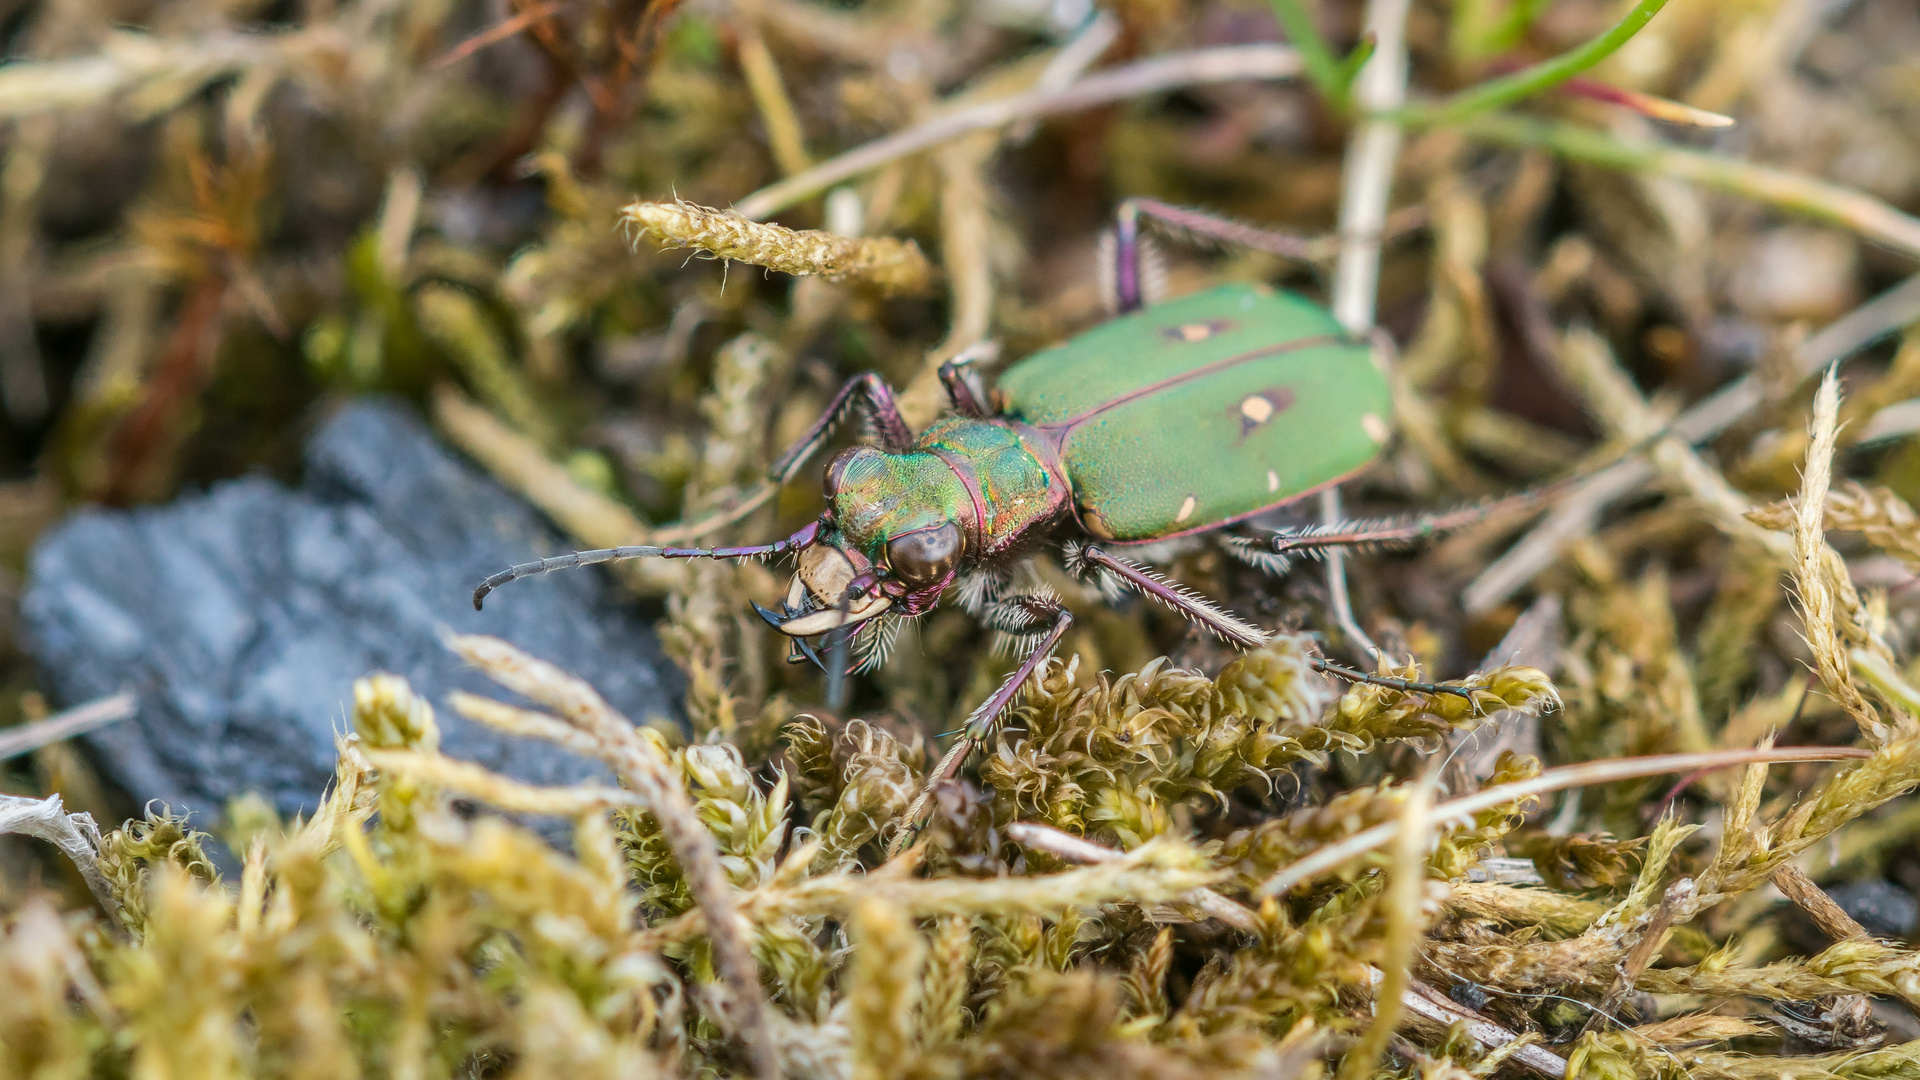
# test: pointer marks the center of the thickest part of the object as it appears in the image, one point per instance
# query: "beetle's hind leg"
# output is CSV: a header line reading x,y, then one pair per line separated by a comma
x,y
1275,551
1229,628
1131,274
1043,618
1107,570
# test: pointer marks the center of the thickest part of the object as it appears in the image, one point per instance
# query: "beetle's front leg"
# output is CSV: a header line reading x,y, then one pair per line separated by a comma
x,y
867,389
1019,614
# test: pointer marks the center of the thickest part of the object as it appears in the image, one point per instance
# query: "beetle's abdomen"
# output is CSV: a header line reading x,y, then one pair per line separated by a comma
x,y
1203,410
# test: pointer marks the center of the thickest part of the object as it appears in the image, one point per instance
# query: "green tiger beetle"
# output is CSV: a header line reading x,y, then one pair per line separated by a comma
x,y
1175,418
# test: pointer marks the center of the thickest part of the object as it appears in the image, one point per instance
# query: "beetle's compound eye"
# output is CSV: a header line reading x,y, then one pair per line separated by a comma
x,y
924,557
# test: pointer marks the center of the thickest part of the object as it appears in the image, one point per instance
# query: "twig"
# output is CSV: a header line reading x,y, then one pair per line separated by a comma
x,y
1225,64
1498,93
769,92
1425,1001
1406,885
1589,363
1575,515
1645,947
495,34
1072,61
1830,917
1805,195
966,226
1567,776
1366,185
78,720
74,834
1813,570
1832,920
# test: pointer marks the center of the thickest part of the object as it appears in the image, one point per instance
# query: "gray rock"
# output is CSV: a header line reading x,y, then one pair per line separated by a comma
x,y
1883,908
242,616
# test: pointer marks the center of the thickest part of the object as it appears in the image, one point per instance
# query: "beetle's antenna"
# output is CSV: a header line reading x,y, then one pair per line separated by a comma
x,y
804,538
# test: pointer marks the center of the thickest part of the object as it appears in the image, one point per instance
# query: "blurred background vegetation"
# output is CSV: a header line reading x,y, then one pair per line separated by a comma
x,y
219,218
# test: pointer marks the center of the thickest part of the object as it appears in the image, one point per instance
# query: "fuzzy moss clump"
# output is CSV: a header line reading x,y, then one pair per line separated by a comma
x,y
1069,920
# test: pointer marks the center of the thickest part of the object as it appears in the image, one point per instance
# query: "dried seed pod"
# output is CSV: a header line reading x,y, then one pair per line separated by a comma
x,y
879,262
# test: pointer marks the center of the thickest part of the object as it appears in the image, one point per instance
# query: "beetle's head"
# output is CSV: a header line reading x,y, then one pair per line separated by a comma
x,y
887,543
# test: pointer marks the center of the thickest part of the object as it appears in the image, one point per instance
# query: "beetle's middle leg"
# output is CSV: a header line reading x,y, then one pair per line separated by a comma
x,y
1229,628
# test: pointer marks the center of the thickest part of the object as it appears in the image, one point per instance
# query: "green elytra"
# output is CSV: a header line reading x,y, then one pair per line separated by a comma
x,y
1189,415
1179,418
1203,411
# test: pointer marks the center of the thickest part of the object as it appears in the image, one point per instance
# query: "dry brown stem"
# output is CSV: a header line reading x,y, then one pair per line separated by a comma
x,y
1225,64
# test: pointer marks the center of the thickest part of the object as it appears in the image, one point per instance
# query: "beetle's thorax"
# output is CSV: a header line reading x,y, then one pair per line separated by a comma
x,y
996,480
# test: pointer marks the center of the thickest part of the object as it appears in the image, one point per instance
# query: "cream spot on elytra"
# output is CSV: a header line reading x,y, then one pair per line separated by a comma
x,y
1197,331
1257,409
1273,480
1375,427
1186,509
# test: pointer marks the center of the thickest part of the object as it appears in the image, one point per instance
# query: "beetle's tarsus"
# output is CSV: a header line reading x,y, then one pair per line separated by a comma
x,y
1392,681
